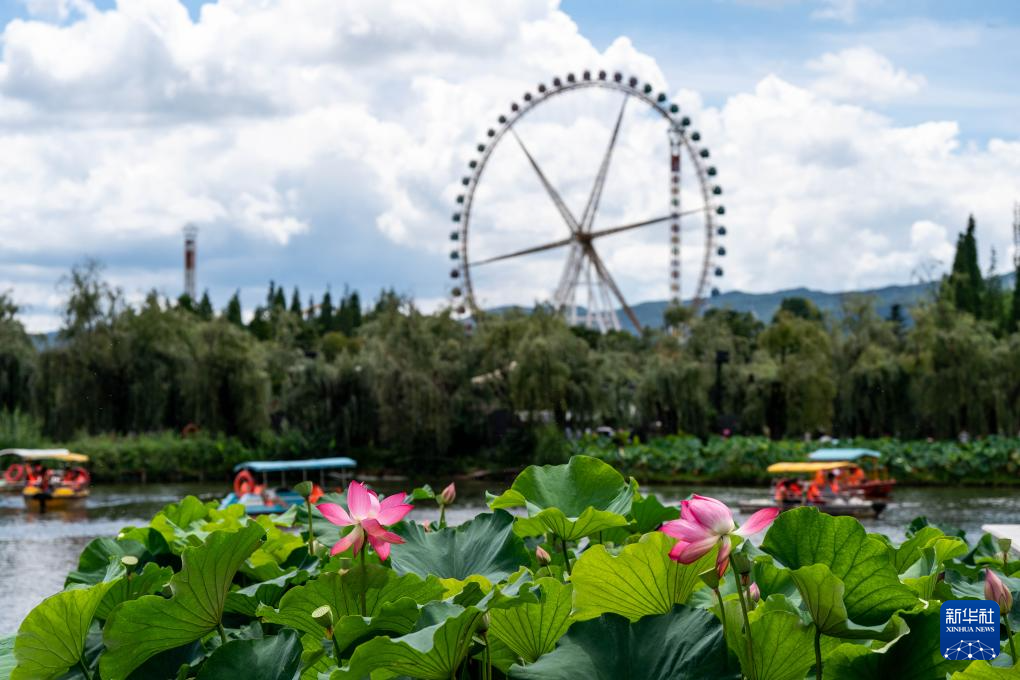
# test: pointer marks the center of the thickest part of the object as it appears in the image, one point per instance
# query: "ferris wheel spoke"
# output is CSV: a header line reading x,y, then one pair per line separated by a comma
x,y
588,218
607,278
526,251
568,278
553,194
644,223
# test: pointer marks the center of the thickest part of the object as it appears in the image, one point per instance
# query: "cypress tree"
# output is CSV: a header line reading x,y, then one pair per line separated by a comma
x,y
354,304
1014,312
965,281
205,308
326,313
295,303
232,313
279,301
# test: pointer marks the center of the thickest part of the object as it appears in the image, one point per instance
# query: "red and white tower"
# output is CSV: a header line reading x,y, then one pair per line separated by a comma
x,y
190,239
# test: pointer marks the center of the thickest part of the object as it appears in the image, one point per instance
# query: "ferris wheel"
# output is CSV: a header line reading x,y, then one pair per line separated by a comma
x,y
511,243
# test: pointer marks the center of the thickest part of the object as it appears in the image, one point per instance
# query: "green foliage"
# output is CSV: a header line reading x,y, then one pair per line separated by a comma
x,y
745,459
271,658
531,629
140,628
407,388
915,656
572,501
685,644
434,651
873,591
486,546
638,582
212,594
63,618
782,641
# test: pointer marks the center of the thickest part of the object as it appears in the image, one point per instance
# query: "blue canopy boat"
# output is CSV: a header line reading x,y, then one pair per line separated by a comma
x,y
836,455
259,497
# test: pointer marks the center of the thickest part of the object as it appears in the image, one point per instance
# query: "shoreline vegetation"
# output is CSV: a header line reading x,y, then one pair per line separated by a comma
x,y
169,456
174,389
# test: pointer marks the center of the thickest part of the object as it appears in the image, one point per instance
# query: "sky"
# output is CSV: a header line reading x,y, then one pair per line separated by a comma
x,y
321,143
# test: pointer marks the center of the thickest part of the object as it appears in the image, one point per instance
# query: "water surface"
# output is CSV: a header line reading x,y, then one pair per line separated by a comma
x,y
36,552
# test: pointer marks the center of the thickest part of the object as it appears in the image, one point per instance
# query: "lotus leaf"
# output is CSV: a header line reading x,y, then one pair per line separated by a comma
x,y
572,501
873,591
685,644
486,546
141,628
641,580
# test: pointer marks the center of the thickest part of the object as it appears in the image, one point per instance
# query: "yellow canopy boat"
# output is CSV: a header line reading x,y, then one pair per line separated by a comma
x,y
59,488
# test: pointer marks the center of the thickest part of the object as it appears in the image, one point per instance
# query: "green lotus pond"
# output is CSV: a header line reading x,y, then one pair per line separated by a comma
x,y
565,576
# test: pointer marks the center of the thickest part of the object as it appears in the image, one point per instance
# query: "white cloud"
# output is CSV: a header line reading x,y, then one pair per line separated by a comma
x,y
119,126
839,197
56,10
861,73
837,10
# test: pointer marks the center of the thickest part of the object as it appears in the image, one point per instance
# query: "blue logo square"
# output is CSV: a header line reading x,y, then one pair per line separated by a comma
x,y
969,630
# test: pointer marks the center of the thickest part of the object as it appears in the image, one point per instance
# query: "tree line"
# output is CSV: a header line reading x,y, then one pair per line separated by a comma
x,y
415,386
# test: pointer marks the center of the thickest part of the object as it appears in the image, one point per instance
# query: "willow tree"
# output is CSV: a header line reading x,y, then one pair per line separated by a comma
x,y
954,371
18,363
873,387
803,352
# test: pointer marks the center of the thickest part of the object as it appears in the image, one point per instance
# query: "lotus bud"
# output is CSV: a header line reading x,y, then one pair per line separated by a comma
x,y
996,591
741,563
304,489
543,556
426,525
483,624
745,579
448,495
323,616
710,577
754,592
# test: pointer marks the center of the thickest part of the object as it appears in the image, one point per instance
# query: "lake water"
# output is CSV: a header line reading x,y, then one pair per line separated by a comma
x,y
36,552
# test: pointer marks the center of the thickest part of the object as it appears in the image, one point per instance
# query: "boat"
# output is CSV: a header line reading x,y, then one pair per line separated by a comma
x,y
261,497
50,487
852,507
876,485
17,473
787,492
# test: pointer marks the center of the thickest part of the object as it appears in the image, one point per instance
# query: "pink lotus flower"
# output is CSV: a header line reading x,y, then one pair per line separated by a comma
x,y
368,516
705,522
754,592
542,556
997,591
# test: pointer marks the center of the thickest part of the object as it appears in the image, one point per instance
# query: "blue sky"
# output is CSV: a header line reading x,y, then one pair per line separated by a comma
x,y
317,145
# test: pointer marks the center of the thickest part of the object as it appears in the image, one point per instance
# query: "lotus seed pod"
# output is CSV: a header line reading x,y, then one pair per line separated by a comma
x,y
710,578
323,616
304,489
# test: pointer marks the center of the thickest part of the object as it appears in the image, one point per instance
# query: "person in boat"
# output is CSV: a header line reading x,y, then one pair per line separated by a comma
x,y
834,482
814,493
788,491
856,477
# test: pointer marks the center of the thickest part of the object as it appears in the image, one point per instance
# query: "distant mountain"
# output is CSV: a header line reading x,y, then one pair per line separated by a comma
x,y
764,305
